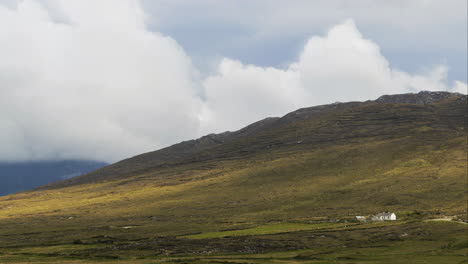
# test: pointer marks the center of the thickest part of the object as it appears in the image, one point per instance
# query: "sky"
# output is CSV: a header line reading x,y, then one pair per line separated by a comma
x,y
109,79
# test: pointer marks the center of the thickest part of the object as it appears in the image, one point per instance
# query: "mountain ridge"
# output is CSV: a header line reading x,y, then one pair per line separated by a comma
x,y
423,97
193,150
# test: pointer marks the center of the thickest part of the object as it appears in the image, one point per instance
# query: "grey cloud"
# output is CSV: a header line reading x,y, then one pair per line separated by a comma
x,y
414,33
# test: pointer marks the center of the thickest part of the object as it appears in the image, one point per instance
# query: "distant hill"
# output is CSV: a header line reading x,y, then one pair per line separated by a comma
x,y
21,176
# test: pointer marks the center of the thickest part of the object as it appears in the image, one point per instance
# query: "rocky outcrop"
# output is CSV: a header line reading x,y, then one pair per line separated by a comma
x,y
424,97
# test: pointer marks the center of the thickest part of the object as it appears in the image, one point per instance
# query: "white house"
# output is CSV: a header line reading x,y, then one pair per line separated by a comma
x,y
387,216
360,218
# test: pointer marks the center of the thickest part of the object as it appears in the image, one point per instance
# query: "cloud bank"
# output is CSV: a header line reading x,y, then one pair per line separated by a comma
x,y
75,84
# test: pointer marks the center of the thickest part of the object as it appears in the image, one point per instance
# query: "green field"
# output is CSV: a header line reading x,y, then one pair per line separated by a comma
x,y
389,242
267,229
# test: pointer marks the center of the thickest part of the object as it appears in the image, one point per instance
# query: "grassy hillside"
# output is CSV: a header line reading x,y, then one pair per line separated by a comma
x,y
278,178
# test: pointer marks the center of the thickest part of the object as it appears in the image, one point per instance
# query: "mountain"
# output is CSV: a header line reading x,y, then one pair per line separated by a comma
x,y
21,176
390,116
281,184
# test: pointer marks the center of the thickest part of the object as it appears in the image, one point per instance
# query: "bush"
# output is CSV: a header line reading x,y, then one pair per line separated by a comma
x,y
78,242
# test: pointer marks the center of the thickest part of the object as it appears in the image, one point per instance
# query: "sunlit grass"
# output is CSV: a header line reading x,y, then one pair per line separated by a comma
x,y
266,229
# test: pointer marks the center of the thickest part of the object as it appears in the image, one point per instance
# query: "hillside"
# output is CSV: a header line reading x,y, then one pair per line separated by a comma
x,y
308,127
402,153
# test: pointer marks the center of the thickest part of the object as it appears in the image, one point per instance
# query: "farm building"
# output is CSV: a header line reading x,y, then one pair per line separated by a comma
x,y
387,216
360,218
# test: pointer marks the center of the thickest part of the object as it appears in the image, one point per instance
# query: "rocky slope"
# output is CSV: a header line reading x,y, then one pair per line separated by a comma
x,y
340,121
423,97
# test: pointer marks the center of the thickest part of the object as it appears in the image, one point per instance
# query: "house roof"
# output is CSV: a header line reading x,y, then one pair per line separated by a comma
x,y
384,214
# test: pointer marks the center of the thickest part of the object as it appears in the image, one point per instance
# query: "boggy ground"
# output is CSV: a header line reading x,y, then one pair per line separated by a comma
x,y
410,241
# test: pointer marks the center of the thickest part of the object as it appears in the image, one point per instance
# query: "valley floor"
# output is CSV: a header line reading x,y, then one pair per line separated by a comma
x,y
410,241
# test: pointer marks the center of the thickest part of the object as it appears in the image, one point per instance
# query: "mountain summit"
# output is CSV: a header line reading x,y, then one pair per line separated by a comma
x,y
423,97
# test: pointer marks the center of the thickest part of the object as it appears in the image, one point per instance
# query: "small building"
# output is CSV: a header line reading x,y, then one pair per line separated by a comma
x,y
360,218
386,216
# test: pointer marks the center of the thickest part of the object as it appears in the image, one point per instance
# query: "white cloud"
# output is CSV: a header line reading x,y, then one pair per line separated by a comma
x,y
341,66
460,87
75,83
79,91
240,94
344,66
